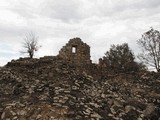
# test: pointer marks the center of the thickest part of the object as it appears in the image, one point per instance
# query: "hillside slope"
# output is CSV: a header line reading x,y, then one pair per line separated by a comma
x,y
51,88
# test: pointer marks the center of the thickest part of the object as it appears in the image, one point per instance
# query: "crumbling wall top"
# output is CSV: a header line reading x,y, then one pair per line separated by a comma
x,y
76,51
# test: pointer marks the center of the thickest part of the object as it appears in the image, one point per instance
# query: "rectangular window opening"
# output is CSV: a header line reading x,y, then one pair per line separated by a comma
x,y
74,49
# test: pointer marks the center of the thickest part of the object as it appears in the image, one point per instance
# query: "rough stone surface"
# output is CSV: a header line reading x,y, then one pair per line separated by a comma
x,y
53,88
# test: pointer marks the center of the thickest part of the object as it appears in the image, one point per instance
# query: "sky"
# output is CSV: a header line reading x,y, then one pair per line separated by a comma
x,y
99,23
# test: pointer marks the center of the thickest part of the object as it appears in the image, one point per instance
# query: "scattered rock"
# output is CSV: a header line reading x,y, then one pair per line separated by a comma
x,y
53,88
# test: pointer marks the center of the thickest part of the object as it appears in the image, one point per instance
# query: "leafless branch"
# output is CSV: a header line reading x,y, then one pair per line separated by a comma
x,y
150,44
30,44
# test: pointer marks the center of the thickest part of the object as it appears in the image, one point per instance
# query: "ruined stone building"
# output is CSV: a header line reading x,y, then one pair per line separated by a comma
x,y
76,51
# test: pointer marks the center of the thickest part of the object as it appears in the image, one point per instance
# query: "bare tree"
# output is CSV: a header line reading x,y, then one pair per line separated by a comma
x,y
150,44
30,44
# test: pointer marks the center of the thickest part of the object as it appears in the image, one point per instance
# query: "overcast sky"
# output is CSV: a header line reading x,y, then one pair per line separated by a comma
x,y
99,23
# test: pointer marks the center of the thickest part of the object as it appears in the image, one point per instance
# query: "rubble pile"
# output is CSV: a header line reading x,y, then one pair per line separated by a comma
x,y
51,88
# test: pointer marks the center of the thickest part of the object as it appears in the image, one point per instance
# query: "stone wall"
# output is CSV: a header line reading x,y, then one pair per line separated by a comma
x,y
76,51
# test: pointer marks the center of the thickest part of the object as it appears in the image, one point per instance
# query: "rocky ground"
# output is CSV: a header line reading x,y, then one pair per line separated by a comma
x,y
53,89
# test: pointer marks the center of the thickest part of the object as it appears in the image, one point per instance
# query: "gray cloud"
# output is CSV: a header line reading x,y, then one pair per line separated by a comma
x,y
64,10
75,11
99,23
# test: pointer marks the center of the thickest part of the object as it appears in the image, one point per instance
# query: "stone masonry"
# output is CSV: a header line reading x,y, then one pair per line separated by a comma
x,y
76,51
